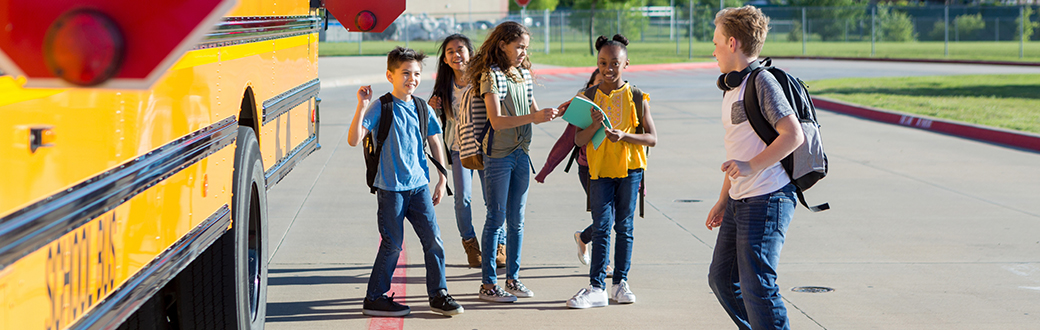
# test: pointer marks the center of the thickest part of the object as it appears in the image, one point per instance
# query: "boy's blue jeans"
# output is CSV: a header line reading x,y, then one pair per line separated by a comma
x,y
507,180
613,203
463,179
417,206
747,251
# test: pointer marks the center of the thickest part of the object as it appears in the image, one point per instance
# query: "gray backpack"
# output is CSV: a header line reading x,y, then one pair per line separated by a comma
x,y
808,163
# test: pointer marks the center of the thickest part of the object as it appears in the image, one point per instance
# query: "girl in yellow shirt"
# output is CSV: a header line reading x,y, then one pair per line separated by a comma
x,y
616,171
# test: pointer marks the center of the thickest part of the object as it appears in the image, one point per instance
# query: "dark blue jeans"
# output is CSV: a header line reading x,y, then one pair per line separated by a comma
x,y
508,179
747,251
463,179
417,206
613,202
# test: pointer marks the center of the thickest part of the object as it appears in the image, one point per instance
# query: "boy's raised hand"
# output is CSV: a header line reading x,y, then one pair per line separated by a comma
x,y
364,94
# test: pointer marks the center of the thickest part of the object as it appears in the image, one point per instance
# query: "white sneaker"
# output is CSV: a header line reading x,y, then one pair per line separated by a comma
x,y
590,297
583,249
621,294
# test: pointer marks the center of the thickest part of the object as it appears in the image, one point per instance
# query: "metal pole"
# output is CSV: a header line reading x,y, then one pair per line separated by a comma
x,y
360,39
946,31
997,29
691,30
406,36
523,16
547,28
470,14
1021,31
803,31
563,26
677,37
618,12
671,22
873,34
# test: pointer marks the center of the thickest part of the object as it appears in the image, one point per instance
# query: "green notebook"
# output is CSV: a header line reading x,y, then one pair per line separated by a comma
x,y
579,113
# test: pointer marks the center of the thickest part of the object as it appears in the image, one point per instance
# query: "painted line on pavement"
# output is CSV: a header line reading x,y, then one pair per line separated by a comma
x,y
1006,137
397,290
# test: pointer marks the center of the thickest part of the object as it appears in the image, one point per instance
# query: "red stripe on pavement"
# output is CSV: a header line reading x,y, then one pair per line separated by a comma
x,y
631,68
397,289
976,132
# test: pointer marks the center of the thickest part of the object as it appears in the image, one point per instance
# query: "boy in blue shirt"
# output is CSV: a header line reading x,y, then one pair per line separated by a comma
x,y
402,184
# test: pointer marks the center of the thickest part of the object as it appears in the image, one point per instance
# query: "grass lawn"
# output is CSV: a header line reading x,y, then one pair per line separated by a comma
x,y
576,52
1006,101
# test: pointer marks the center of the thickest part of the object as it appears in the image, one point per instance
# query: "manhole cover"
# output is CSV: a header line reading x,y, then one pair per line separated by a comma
x,y
687,201
811,289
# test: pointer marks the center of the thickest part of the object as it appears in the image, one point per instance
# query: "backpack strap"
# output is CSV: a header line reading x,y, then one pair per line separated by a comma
x,y
386,106
424,128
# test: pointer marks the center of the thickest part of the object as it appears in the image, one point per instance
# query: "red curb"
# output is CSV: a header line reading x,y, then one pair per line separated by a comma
x,y
909,60
631,68
1011,138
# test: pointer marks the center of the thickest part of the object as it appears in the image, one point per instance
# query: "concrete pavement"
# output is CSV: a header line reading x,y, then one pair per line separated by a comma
x,y
928,231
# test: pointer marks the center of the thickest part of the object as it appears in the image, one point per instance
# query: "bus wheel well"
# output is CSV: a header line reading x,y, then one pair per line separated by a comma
x,y
248,113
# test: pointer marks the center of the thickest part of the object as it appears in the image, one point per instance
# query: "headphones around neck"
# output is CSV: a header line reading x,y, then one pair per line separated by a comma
x,y
731,80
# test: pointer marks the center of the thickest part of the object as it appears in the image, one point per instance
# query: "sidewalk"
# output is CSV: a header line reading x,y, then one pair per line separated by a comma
x,y
927,231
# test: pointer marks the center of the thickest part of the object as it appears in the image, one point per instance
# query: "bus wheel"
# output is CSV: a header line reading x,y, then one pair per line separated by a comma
x,y
226,286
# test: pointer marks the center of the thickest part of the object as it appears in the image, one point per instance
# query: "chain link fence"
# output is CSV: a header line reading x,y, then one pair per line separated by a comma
x,y
978,32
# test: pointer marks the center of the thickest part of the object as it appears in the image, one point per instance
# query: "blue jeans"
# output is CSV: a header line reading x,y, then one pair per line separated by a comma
x,y
463,180
743,269
507,179
394,207
613,203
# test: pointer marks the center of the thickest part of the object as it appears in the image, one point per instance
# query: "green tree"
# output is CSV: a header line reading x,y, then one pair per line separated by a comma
x,y
969,25
895,25
1030,27
602,17
827,18
535,5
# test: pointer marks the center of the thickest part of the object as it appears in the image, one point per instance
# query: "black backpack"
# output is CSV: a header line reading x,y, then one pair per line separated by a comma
x,y
637,98
373,146
808,163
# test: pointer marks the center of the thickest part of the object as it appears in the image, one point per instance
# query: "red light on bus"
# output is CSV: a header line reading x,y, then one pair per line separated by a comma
x,y
84,47
365,21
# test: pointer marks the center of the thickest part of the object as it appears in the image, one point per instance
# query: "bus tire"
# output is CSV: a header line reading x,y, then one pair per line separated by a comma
x,y
226,286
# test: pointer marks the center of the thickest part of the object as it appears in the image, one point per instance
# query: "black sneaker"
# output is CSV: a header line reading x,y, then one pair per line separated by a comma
x,y
442,303
384,306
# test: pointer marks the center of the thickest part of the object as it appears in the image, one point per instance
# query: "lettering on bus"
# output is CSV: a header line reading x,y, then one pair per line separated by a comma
x,y
80,271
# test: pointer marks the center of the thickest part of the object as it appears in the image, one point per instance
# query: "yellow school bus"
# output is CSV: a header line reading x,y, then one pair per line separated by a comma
x,y
146,208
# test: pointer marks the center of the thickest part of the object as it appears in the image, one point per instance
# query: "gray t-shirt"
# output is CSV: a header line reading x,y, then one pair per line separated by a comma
x,y
515,104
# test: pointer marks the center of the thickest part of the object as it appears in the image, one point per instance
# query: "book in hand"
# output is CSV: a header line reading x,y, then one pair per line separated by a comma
x,y
579,113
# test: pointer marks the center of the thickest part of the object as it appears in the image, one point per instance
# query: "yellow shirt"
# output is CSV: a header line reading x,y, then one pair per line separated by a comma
x,y
614,159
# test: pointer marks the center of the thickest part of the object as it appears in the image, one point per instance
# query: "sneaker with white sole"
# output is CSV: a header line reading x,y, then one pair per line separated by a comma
x,y
583,249
621,294
442,303
384,306
588,297
518,289
496,295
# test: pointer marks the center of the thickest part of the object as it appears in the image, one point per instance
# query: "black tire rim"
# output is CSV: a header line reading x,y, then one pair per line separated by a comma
x,y
254,251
